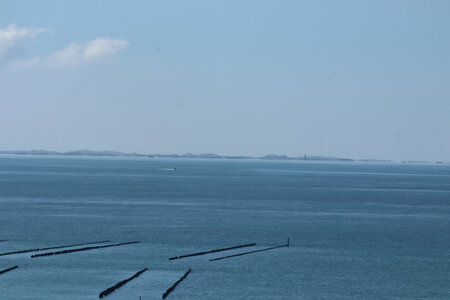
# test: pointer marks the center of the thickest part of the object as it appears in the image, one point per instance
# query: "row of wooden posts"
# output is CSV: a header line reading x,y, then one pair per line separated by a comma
x,y
125,281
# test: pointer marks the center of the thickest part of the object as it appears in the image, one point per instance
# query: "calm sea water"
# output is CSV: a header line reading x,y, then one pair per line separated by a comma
x,y
357,230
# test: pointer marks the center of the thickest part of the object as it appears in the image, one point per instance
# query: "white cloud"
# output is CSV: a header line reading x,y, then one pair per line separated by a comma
x,y
82,54
14,42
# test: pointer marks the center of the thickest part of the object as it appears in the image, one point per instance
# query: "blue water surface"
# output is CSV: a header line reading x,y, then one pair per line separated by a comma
x,y
358,230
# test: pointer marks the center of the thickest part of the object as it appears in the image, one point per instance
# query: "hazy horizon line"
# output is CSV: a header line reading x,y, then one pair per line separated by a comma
x,y
205,155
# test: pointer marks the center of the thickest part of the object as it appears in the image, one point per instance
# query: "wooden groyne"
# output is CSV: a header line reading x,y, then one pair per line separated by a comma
x,y
170,290
212,251
81,249
250,252
3,240
118,285
9,269
51,248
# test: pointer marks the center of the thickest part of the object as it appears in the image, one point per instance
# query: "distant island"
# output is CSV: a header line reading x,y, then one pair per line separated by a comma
x,y
203,155
187,155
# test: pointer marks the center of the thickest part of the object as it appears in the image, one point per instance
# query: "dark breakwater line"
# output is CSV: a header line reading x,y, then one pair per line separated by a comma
x,y
121,283
170,290
81,249
250,252
3,240
212,251
9,269
50,248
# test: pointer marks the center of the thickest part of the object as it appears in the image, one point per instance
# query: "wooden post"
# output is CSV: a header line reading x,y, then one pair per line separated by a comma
x,y
81,249
170,290
212,251
9,269
119,284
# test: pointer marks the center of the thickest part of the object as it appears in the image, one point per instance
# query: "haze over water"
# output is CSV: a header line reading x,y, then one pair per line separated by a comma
x,y
358,230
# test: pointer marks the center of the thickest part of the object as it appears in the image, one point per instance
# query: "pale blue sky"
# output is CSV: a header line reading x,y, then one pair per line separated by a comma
x,y
360,79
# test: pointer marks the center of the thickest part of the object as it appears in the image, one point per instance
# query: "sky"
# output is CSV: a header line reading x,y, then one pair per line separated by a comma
x,y
357,79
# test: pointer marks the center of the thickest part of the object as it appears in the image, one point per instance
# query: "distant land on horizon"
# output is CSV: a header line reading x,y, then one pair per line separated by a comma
x,y
189,155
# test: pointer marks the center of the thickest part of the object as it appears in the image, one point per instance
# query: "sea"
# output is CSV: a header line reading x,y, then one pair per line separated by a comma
x,y
357,230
